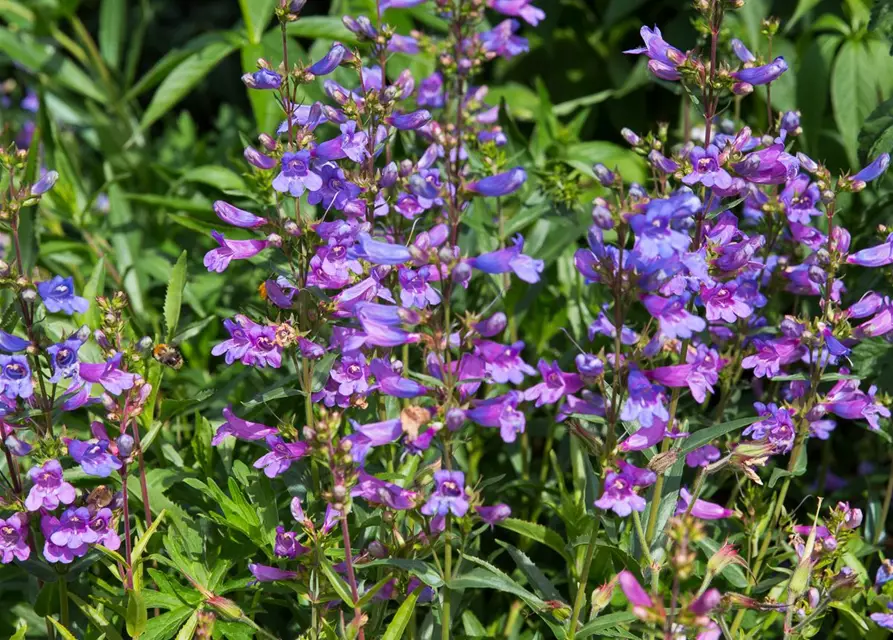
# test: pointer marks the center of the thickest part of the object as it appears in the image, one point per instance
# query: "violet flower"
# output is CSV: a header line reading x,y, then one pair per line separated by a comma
x,y
701,509
105,535
504,364
510,259
240,429
664,58
296,175
250,343
327,64
264,573
94,457
49,489
555,385
645,402
15,377
52,552
448,496
262,79
14,538
494,514
517,8
707,168
762,75
878,256
702,456
218,259
12,344
237,217
619,494
501,411
376,491
393,384
281,456
499,185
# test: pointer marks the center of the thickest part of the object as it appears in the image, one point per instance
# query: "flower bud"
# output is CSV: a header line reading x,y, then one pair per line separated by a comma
x,y
144,344
630,136
601,217
267,141
125,445
455,418
601,596
4,268
604,175
101,339
83,333
29,295
257,159
275,240
725,556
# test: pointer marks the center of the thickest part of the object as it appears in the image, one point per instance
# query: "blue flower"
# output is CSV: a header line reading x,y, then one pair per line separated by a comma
x,y
58,295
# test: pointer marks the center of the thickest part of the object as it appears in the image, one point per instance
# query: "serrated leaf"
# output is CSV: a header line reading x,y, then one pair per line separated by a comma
x,y
137,618
173,301
537,578
401,619
96,617
163,627
187,74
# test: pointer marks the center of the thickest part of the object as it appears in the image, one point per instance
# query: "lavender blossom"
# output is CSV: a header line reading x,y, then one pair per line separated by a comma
x,y
58,296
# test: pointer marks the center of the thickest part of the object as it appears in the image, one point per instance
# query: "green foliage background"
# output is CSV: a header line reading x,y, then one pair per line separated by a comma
x,y
141,102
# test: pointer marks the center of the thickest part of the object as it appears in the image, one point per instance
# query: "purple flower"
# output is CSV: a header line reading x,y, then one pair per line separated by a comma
x,y
501,412
374,434
645,437
218,259
236,217
410,121
499,185
382,253
46,182
241,429
53,553
646,401
873,171
257,159
64,359
393,384
49,488
519,9
448,496
58,295
776,427
330,61
494,514
350,144
416,290
73,530
502,363
702,456
13,538
741,51
510,259
555,385
105,535
772,354
771,165
884,620
725,302
707,168
675,321
847,401
12,344
264,573
602,325
296,175
619,494
701,509
800,197
281,455
663,58
877,256
430,92
250,343
108,374
94,457
502,41
376,491
335,190
262,79
762,75
287,545
636,595
15,377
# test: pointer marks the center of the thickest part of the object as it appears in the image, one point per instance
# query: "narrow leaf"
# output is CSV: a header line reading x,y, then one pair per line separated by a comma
x,y
402,617
173,301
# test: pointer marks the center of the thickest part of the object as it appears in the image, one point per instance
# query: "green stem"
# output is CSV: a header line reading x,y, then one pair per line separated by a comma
x,y
447,574
63,602
584,579
881,525
646,549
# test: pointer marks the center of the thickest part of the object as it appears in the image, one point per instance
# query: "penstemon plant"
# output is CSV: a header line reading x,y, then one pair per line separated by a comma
x,y
389,353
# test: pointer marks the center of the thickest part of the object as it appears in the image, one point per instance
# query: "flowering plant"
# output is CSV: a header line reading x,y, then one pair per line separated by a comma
x,y
377,435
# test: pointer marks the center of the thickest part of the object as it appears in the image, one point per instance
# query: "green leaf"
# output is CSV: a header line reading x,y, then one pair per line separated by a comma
x,y
876,136
63,632
812,84
114,555
603,623
882,19
173,301
187,631
163,627
852,93
583,155
44,59
136,614
705,436
257,14
216,176
321,27
402,617
140,545
337,582
126,240
93,288
537,578
21,631
854,617
112,29
96,617
538,533
187,75
422,570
